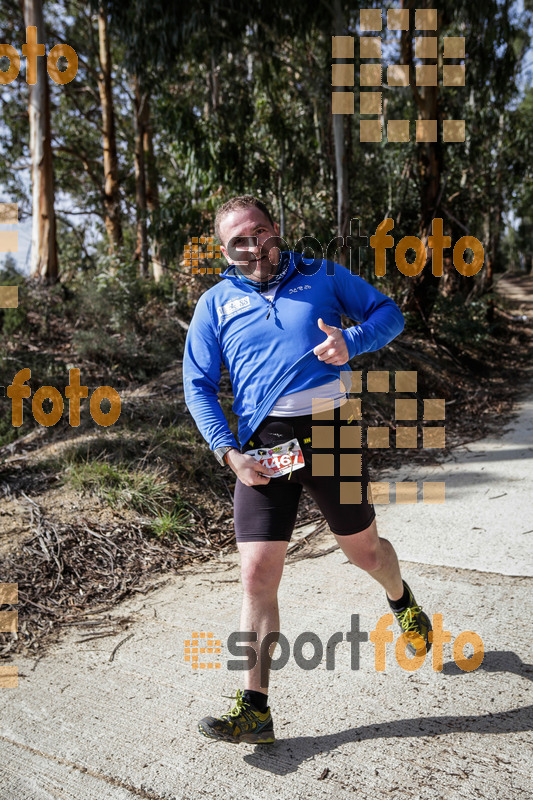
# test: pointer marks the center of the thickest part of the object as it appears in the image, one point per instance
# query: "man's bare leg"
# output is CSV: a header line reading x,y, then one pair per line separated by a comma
x,y
261,569
376,556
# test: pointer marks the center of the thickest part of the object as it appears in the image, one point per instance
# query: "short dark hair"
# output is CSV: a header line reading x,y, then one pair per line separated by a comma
x,y
243,201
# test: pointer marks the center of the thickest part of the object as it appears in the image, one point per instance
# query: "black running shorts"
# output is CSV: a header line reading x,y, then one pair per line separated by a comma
x,y
267,512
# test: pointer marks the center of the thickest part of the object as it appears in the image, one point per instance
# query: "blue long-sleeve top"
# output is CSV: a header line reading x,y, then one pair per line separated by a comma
x,y
268,355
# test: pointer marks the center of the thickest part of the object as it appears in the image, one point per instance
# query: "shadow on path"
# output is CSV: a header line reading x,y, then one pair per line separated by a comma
x,y
286,755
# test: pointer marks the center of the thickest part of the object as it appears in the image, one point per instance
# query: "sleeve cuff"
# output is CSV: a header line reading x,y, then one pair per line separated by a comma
x,y
352,337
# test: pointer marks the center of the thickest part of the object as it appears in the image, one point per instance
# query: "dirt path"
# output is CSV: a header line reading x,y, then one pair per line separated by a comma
x,y
89,720
486,522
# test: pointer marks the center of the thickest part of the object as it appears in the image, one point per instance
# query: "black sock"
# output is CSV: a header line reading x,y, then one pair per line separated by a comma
x,y
403,602
257,699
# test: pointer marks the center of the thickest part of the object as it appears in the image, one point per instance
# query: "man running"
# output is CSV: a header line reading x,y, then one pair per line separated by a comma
x,y
274,321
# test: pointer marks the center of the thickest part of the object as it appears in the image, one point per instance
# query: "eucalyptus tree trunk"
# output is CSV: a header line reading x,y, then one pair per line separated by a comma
x,y
281,195
112,216
152,193
141,250
423,287
341,166
43,237
496,212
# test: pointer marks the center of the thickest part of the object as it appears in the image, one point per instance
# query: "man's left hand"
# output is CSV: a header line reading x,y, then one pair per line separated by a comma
x,y
333,350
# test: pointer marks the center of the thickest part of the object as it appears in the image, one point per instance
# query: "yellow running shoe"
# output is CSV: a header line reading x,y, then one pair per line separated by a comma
x,y
414,623
243,723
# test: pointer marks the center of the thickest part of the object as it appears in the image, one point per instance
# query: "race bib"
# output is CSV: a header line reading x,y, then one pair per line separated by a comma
x,y
282,458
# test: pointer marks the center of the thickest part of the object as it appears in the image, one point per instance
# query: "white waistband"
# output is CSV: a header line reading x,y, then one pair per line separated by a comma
x,y
299,403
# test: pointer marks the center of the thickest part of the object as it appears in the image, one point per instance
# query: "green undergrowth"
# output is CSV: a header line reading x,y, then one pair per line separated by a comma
x,y
116,328
160,472
142,491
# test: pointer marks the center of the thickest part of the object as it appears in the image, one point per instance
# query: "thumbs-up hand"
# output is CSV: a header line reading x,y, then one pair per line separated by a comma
x,y
333,350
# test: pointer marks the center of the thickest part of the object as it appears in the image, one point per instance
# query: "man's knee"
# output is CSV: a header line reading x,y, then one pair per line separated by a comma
x,y
376,554
367,550
370,559
256,579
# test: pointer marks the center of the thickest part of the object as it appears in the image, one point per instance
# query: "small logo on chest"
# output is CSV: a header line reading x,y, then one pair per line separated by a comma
x,y
232,307
299,289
